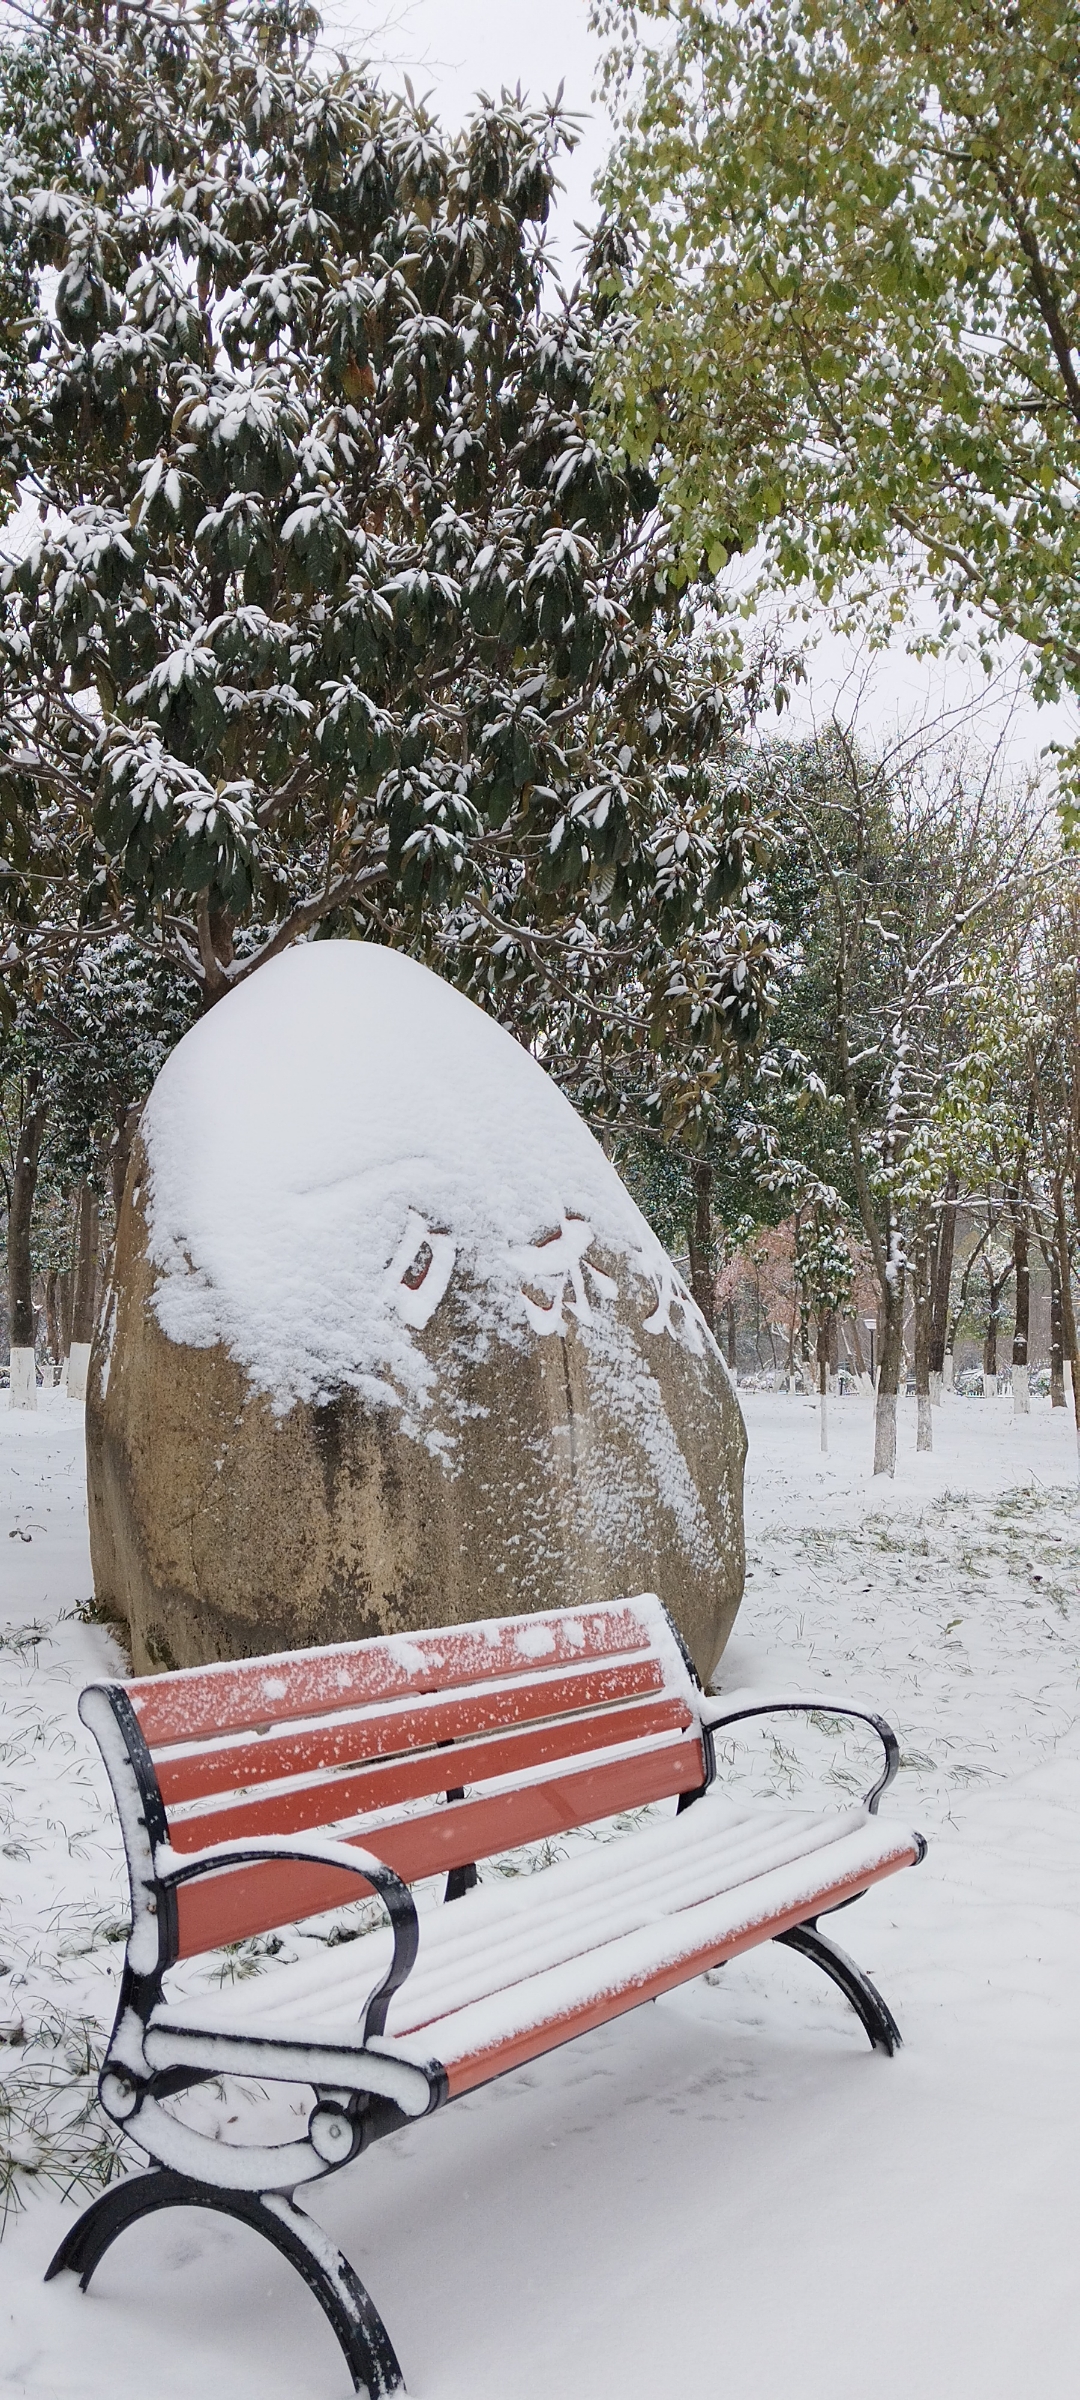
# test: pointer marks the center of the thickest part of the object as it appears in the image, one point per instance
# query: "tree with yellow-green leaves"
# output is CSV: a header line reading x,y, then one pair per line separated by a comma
x,y
850,312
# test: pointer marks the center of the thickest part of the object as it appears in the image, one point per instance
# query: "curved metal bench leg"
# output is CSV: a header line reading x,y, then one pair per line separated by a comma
x,y
864,1996
368,2349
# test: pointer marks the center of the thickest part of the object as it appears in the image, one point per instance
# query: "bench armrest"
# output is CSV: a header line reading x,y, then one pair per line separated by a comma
x,y
763,1704
175,1867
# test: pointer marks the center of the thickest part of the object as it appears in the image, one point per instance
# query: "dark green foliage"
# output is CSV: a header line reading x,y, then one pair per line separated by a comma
x,y
90,1046
342,614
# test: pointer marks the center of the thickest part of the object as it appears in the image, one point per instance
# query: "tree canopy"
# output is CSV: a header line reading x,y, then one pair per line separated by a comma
x,y
341,615
852,318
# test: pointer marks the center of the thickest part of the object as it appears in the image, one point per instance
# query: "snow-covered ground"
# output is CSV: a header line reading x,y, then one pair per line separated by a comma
x,y
726,2192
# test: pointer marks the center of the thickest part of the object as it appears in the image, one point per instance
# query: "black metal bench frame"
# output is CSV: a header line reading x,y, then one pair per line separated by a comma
x,y
345,2121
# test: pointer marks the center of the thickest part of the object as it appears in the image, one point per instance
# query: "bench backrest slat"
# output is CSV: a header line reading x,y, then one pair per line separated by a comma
x,y
196,1701
340,1742
389,1784
544,1722
251,1900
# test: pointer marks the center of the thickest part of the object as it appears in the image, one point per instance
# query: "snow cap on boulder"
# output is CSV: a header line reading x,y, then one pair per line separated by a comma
x,y
330,1147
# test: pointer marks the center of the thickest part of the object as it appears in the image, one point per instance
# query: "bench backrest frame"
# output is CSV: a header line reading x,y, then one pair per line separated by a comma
x,y
586,1713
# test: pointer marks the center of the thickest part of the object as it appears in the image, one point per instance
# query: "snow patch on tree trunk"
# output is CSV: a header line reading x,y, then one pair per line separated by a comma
x,y
885,1434
78,1368
23,1379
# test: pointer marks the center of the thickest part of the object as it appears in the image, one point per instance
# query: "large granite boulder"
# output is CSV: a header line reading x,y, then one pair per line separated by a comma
x,y
389,1344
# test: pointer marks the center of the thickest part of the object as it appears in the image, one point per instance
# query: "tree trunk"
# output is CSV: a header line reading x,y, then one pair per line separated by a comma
x,y
53,1320
803,1381
700,1240
941,1268
84,1303
990,1346
1068,1317
1057,1367
64,1288
924,1305
732,1344
1022,1325
858,1354
956,1313
127,1127
20,1271
824,1328
891,1321
995,1310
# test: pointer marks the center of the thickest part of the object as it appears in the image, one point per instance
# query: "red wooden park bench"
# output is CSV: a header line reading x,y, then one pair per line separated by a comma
x,y
258,1793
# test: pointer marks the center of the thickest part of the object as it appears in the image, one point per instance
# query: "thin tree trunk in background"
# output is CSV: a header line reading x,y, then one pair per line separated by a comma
x,y
942,1267
23,1392
990,1342
1057,1364
1022,1323
924,1298
84,1305
804,1355
732,1344
757,1319
955,1314
125,1129
857,1351
823,1336
85,1294
998,1287
120,1154
700,1242
20,1215
63,1281
891,1322
84,1301
1068,1314
52,1320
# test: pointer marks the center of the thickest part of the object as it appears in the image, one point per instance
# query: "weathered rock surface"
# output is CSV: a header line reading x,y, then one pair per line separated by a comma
x,y
389,1345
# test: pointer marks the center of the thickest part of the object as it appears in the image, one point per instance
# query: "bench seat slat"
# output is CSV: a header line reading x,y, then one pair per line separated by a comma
x,y
499,2056
340,1797
248,1900
515,1925
194,1702
238,1762
522,1964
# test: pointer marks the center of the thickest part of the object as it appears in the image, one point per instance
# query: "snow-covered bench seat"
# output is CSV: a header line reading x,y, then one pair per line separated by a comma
x,y
255,1794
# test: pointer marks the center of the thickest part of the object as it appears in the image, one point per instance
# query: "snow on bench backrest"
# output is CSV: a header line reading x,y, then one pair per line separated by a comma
x,y
547,1722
